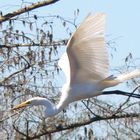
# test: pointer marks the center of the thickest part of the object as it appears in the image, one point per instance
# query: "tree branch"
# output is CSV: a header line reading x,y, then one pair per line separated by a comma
x,y
16,72
83,123
54,43
26,9
11,75
119,92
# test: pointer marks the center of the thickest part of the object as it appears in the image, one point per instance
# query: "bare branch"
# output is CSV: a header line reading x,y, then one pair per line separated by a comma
x,y
118,92
14,73
54,43
131,95
83,123
11,75
26,9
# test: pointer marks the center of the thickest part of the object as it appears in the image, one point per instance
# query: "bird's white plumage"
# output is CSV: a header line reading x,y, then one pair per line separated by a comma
x,y
87,55
65,66
85,65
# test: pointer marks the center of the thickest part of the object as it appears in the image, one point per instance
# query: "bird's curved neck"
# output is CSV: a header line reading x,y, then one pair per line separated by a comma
x,y
51,108
65,99
61,105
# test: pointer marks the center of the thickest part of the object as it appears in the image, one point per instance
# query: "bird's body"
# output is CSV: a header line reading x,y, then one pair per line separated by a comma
x,y
85,65
80,91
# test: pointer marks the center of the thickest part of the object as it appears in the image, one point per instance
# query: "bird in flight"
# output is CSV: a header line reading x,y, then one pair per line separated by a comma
x,y
85,64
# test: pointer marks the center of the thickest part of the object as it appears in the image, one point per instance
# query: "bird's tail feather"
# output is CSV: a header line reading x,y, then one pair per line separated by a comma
x,y
113,81
128,76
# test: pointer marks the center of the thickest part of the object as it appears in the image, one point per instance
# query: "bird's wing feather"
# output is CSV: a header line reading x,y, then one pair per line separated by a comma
x,y
64,65
86,51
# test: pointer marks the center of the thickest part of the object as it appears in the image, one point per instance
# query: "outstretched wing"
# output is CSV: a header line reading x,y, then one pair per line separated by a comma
x,y
86,50
86,56
65,66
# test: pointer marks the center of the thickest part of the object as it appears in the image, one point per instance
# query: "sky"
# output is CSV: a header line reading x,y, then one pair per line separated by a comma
x,y
122,22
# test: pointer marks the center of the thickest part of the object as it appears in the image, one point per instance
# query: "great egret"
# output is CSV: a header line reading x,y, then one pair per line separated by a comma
x,y
85,65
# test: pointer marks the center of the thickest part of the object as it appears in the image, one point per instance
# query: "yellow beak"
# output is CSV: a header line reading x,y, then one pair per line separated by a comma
x,y
24,104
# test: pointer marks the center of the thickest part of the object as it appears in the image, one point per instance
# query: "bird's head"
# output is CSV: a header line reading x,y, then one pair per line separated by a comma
x,y
50,109
30,102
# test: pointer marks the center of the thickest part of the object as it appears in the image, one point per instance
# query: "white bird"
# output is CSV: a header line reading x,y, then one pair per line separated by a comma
x,y
85,65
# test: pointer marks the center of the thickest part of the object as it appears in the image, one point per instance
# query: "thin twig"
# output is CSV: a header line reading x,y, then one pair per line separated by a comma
x,y
26,9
